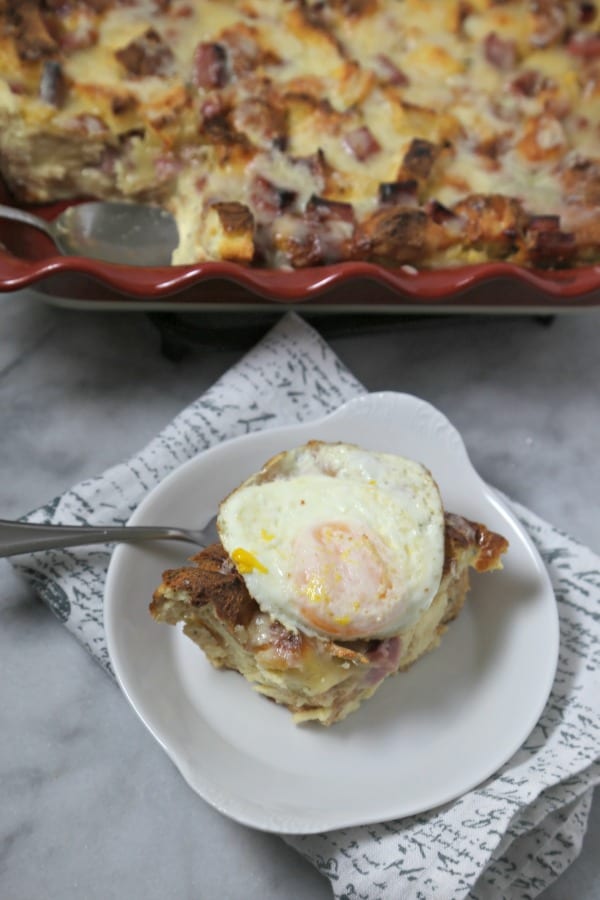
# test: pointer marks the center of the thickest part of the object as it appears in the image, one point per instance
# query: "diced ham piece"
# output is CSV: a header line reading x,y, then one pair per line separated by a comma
x,y
146,55
323,210
529,83
383,659
325,233
362,143
548,245
499,52
584,45
587,13
210,65
543,223
400,193
268,200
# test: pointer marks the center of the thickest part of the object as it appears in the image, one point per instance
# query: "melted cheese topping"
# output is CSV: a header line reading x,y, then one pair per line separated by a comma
x,y
272,104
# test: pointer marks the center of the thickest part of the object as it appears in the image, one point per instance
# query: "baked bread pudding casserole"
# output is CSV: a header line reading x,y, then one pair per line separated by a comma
x,y
336,568
295,133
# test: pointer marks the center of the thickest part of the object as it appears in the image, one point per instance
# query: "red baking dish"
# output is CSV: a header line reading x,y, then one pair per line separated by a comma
x,y
29,259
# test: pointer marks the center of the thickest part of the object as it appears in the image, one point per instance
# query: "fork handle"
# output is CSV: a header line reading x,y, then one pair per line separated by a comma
x,y
24,537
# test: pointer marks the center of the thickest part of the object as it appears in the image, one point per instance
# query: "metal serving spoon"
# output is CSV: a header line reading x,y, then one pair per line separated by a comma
x,y
24,537
132,233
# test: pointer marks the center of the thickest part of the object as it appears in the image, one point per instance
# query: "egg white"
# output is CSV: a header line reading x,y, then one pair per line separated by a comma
x,y
337,541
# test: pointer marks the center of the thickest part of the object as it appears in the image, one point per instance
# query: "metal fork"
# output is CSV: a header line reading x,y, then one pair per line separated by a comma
x,y
25,537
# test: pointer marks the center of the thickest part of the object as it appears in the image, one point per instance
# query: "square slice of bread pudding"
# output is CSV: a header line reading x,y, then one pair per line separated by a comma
x,y
336,568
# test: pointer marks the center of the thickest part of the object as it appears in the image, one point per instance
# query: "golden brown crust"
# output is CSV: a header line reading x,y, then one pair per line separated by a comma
x,y
462,534
213,579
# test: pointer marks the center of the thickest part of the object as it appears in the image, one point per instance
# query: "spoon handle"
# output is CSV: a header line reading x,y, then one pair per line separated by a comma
x,y
19,215
24,537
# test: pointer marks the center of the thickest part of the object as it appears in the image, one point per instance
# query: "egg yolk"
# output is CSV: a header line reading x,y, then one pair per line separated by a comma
x,y
245,562
341,579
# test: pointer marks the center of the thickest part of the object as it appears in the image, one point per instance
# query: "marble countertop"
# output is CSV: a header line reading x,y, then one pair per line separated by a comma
x,y
91,806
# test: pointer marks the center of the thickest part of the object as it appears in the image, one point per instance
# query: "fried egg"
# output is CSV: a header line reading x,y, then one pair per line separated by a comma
x,y
337,541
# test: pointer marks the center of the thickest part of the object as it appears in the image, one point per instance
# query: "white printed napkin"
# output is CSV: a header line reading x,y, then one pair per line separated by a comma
x,y
510,837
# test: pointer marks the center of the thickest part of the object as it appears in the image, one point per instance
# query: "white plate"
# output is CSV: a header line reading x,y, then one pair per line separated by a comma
x,y
426,737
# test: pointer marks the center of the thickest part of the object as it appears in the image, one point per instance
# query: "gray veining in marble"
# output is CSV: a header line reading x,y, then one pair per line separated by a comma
x,y
90,805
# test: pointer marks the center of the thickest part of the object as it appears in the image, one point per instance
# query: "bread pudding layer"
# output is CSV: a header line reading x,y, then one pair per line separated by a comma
x,y
294,133
315,678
